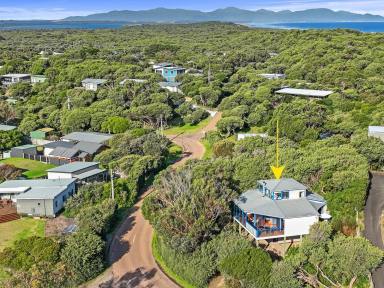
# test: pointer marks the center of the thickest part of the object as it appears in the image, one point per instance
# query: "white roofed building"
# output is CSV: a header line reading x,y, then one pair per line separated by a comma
x,y
318,94
376,131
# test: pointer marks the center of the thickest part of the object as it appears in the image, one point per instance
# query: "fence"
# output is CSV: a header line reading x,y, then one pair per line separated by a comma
x,y
46,159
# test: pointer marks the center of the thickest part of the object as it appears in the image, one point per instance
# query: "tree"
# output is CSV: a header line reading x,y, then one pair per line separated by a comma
x,y
371,148
229,125
196,116
9,139
251,267
7,112
20,90
283,275
83,254
116,125
223,148
152,114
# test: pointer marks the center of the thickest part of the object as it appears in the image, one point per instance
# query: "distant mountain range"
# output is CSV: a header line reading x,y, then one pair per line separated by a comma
x,y
230,14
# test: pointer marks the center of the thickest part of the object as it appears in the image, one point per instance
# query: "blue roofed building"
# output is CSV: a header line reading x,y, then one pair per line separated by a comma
x,y
169,71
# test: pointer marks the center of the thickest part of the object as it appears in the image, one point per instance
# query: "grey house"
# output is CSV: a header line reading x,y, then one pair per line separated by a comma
x,y
42,198
9,79
92,137
92,84
81,171
20,151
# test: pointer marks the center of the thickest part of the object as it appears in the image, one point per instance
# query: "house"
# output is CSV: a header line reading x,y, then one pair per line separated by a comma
x,y
11,101
133,80
63,155
171,86
38,79
21,151
4,127
81,171
272,76
279,209
41,136
9,79
92,137
318,94
170,73
41,198
92,84
242,136
376,131
51,146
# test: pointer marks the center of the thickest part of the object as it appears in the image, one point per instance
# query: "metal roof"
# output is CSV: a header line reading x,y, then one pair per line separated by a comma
x,y
27,146
38,189
73,167
284,184
133,80
90,173
376,129
64,152
272,76
15,75
88,137
55,144
89,147
7,127
94,81
253,201
305,92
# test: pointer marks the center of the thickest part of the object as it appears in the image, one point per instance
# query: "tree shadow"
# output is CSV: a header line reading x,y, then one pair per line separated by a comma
x,y
132,279
119,246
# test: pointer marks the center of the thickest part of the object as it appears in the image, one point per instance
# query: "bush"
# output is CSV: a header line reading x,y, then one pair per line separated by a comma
x,y
196,116
251,267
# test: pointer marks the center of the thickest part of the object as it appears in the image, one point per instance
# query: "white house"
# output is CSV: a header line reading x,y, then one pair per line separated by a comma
x,y
171,86
279,209
272,76
38,79
92,84
242,136
81,171
9,79
376,131
42,198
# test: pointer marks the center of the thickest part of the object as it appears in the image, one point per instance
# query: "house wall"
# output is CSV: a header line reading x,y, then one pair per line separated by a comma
x,y
90,86
299,226
45,207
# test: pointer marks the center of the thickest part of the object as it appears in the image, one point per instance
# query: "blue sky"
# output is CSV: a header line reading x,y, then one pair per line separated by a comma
x,y
51,9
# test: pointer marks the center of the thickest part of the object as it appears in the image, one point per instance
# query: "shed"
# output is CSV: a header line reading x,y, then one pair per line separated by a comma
x,y
20,151
319,94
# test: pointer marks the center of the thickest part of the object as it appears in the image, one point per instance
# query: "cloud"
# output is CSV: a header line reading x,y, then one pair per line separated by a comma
x,y
16,13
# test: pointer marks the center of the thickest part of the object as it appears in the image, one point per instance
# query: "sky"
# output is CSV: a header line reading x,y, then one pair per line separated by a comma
x,y
59,9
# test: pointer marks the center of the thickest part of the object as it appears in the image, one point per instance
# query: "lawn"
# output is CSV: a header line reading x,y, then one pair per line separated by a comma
x,y
32,169
20,229
187,128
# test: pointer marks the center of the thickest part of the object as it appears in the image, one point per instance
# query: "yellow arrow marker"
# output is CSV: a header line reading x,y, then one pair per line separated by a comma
x,y
277,170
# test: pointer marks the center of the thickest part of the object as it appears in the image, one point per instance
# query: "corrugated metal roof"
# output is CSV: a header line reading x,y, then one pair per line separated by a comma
x,y
64,152
88,137
15,75
73,167
90,173
94,81
305,92
7,127
39,189
376,129
89,147
55,144
284,184
27,146
169,84
253,201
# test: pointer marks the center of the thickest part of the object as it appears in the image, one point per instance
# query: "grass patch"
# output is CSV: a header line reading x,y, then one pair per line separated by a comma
x,y
187,128
20,229
32,169
175,153
208,149
159,260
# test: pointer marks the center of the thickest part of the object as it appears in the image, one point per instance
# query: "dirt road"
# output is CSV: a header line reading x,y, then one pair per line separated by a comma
x,y
131,252
373,211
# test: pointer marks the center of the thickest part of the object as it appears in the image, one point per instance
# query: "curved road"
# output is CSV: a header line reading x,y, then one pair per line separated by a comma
x,y
130,251
373,212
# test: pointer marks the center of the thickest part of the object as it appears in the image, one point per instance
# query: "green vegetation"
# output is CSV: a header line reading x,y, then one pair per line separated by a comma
x,y
10,232
187,128
323,142
33,169
157,255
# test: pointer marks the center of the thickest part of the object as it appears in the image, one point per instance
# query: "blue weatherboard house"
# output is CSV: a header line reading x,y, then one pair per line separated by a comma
x,y
169,71
279,209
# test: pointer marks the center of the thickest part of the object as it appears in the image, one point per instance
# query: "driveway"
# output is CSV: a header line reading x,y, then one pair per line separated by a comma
x,y
131,250
373,211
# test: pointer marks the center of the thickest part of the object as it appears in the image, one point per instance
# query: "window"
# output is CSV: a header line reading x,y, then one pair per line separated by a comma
x,y
56,204
38,204
285,195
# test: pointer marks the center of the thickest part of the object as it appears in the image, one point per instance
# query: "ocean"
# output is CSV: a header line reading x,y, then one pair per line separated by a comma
x,y
369,27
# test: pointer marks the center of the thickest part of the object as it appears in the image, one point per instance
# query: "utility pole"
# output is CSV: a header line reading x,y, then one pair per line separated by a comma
x,y
112,184
68,102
